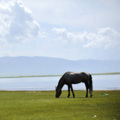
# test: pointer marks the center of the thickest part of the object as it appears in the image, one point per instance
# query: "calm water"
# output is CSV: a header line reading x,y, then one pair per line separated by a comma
x,y
100,82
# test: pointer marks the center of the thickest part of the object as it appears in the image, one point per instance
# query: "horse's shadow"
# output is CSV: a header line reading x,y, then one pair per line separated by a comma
x,y
74,98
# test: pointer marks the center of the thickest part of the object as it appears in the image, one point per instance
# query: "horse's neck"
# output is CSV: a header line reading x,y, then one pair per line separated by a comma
x,y
61,84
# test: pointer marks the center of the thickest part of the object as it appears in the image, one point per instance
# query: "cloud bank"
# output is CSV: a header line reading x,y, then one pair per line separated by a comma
x,y
16,22
104,37
76,31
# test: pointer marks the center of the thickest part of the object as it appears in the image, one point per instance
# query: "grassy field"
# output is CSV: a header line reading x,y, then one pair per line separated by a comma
x,y
42,105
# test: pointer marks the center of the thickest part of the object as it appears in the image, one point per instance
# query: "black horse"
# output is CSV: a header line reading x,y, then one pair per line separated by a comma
x,y
70,78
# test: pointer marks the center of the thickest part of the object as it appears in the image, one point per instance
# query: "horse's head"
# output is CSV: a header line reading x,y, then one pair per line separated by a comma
x,y
58,92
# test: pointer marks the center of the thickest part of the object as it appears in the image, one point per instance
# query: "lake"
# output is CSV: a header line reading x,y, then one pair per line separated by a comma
x,y
100,82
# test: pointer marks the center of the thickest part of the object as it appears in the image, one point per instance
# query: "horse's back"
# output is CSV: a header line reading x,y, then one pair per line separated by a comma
x,y
76,77
77,73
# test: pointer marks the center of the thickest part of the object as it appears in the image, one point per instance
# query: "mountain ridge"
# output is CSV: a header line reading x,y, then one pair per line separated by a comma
x,y
22,65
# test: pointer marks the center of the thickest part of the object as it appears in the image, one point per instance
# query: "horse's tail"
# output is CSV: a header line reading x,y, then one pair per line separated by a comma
x,y
90,86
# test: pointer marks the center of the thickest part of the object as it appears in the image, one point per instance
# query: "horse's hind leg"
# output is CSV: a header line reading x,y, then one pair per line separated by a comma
x,y
68,91
72,91
86,89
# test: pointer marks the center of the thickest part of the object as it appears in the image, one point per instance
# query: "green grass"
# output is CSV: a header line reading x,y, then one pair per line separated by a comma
x,y
42,105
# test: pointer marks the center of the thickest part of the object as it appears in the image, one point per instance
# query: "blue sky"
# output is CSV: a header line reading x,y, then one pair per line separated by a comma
x,y
70,29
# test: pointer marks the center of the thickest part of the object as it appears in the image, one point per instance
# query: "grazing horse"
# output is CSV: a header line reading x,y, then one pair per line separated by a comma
x,y
70,78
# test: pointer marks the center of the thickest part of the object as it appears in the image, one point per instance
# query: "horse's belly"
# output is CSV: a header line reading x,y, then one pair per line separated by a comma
x,y
76,81
72,82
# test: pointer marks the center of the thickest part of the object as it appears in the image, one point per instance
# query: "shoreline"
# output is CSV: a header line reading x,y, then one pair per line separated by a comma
x,y
49,90
27,76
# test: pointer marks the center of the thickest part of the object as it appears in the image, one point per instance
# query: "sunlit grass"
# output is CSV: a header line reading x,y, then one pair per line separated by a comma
x,y
42,105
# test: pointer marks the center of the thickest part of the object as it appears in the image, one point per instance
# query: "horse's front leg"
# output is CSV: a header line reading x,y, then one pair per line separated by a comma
x,y
72,91
68,91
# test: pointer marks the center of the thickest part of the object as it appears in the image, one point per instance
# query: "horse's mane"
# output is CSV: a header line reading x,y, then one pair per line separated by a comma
x,y
61,79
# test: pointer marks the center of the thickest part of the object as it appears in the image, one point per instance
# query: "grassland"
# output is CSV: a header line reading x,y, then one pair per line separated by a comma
x,y
42,105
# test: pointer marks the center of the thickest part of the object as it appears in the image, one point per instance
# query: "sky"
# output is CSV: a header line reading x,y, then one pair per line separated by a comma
x,y
69,29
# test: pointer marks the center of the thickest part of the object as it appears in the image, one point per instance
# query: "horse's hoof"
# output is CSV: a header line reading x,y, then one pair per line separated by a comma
x,y
73,96
91,96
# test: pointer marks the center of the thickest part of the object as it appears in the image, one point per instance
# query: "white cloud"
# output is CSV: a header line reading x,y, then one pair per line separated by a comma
x,y
16,22
105,37
79,14
75,33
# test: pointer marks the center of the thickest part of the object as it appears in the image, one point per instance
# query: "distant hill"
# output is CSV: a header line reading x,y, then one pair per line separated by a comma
x,y
14,66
